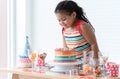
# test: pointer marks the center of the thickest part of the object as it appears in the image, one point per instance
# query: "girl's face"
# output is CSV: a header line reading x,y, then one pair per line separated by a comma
x,y
66,20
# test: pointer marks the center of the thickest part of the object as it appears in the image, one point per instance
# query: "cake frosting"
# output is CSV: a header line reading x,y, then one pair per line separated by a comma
x,y
64,55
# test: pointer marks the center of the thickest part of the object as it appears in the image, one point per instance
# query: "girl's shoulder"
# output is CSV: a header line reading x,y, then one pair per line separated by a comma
x,y
79,25
82,25
79,22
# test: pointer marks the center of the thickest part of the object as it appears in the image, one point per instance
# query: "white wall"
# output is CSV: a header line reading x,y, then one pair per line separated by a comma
x,y
46,33
103,14
3,36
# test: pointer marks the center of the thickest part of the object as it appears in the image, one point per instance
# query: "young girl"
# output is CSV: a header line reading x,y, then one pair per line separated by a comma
x,y
77,31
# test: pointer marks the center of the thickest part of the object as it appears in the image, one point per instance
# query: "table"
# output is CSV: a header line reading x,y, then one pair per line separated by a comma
x,y
18,73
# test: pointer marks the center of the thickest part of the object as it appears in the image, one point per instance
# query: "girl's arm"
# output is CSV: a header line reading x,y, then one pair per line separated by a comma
x,y
89,35
64,42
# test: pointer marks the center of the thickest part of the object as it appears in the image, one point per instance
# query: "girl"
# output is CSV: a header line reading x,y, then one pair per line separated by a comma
x,y
77,31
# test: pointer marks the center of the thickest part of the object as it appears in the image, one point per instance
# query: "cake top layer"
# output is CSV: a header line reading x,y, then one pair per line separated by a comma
x,y
64,49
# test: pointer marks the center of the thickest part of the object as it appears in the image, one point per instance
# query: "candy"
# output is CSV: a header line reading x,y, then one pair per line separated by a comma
x,y
41,59
42,56
97,71
86,69
40,62
32,56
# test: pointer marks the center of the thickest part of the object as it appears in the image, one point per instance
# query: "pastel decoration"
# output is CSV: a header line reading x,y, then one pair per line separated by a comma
x,y
27,49
27,60
114,70
24,61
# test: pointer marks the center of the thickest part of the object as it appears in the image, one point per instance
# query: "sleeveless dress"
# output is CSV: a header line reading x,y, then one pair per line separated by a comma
x,y
75,40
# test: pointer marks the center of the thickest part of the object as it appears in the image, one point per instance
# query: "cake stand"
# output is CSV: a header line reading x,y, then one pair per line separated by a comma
x,y
63,67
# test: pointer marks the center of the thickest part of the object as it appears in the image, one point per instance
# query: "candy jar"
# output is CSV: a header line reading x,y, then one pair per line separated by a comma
x,y
32,57
40,61
97,71
86,64
94,64
103,63
86,69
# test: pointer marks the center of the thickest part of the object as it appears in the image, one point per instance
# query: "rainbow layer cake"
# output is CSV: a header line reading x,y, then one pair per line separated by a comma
x,y
64,55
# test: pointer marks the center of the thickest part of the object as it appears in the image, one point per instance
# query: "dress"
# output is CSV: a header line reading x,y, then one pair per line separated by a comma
x,y
76,40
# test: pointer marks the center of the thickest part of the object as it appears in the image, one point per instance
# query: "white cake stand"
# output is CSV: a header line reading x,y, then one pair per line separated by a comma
x,y
63,67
